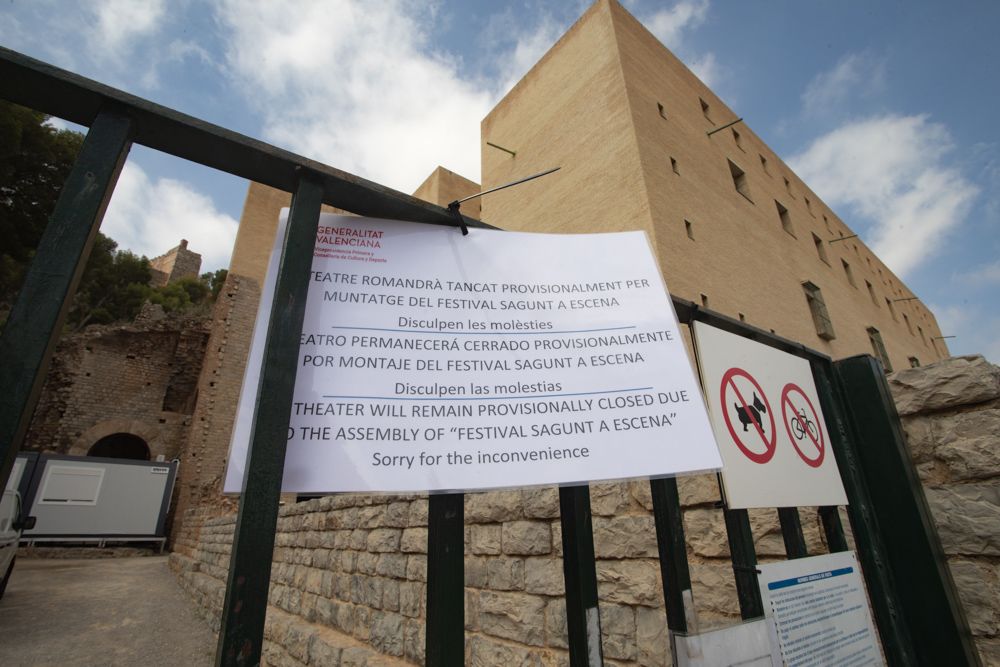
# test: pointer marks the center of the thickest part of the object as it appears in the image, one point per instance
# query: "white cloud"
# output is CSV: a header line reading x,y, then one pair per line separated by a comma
x,y
856,74
176,52
706,68
528,50
57,42
10,27
984,275
356,85
119,23
975,332
670,24
150,217
891,171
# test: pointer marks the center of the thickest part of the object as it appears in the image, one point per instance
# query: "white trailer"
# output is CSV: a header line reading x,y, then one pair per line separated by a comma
x,y
90,499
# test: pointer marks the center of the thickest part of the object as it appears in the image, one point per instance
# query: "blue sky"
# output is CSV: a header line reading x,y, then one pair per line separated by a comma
x,y
390,89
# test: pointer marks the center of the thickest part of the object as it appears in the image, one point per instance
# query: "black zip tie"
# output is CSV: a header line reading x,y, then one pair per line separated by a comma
x,y
746,568
459,218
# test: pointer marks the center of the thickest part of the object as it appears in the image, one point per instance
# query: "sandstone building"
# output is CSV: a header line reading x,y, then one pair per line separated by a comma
x,y
174,264
734,229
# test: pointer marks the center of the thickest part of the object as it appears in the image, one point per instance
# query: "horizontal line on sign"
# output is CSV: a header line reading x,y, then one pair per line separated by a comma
x,y
489,398
809,578
486,333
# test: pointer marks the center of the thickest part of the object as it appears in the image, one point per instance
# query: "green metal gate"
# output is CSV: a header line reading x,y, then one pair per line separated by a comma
x,y
915,604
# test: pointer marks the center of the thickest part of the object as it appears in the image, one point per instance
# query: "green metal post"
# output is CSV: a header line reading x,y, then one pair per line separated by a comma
x,y
583,617
912,550
445,636
241,634
744,563
882,589
674,569
36,319
791,532
833,528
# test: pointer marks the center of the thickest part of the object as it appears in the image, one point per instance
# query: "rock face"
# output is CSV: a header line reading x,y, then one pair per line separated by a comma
x,y
951,417
946,384
968,518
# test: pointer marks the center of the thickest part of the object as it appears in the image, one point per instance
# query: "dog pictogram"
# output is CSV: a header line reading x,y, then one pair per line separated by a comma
x,y
751,413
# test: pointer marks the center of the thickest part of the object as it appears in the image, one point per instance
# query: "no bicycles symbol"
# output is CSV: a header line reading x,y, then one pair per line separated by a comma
x,y
744,400
802,424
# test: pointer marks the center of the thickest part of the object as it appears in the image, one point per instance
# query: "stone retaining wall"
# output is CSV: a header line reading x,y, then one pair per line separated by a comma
x,y
951,416
349,572
349,575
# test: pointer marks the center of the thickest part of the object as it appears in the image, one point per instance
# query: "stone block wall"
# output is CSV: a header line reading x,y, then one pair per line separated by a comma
x,y
136,378
203,460
951,416
349,574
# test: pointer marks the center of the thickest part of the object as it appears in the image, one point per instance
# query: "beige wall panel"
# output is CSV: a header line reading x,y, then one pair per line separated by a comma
x,y
569,111
591,106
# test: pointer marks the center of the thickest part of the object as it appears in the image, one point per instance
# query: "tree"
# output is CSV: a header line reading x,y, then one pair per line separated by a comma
x,y
114,285
215,281
182,294
34,162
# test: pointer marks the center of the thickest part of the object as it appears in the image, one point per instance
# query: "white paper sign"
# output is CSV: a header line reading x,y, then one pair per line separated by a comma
x,y
768,422
819,611
433,361
747,645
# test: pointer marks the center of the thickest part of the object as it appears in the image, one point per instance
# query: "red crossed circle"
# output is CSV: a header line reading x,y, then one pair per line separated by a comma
x,y
728,382
820,442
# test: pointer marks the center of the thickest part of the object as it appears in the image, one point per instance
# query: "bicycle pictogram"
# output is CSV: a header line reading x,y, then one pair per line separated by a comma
x,y
801,424
800,419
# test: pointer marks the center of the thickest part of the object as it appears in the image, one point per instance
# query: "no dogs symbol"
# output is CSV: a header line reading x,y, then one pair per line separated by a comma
x,y
748,415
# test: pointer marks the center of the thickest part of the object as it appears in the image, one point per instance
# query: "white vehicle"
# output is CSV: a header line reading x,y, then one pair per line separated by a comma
x,y
12,524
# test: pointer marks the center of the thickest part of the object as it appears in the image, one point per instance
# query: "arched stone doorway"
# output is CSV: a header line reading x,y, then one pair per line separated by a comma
x,y
121,446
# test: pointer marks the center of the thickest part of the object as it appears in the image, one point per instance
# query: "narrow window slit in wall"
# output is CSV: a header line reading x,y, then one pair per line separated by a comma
x,y
739,180
786,220
817,308
820,249
848,273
